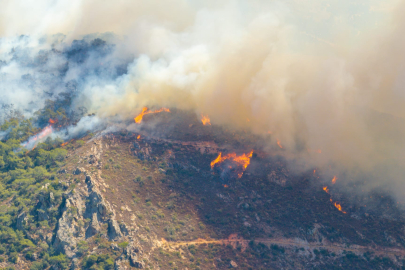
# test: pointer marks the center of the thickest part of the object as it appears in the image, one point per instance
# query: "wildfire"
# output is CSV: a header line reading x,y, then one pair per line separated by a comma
x,y
145,111
139,137
339,207
225,186
65,143
279,144
205,120
34,139
242,160
334,180
336,204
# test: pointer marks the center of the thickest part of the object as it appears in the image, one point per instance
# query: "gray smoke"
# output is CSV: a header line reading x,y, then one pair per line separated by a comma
x,y
324,78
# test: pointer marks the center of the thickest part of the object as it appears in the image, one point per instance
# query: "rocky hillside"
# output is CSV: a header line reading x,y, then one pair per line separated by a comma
x,y
149,199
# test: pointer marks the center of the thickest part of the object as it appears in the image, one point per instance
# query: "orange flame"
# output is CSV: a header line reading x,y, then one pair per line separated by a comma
x,y
205,120
334,179
52,121
336,204
145,111
339,207
242,160
139,136
225,186
279,144
65,143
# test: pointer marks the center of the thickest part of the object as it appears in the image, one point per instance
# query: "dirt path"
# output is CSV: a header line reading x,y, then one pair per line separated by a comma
x,y
235,241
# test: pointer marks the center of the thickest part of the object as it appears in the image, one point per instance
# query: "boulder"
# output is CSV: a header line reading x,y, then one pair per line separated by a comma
x,y
233,264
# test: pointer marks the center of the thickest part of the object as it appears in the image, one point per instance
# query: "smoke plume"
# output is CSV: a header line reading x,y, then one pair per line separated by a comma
x,y
324,78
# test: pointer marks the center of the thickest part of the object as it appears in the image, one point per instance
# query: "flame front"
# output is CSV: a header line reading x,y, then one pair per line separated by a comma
x,y
242,160
205,120
139,137
145,111
334,180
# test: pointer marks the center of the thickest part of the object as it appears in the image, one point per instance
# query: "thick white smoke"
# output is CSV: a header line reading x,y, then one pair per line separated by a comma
x,y
318,75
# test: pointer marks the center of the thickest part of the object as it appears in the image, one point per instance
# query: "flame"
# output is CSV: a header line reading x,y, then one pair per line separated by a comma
x,y
145,111
334,180
225,186
242,160
52,121
65,143
339,207
336,204
205,120
279,144
34,139
139,136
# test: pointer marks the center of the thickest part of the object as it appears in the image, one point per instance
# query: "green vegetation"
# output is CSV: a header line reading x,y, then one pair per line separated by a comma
x,y
98,262
30,194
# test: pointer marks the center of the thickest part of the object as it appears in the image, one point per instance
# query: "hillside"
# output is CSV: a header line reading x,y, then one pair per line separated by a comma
x,y
148,198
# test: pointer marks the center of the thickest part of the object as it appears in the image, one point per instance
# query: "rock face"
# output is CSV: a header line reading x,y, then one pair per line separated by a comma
x,y
77,207
85,213
114,231
94,227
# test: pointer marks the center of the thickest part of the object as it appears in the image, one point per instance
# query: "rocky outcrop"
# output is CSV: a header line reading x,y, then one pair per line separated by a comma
x,y
68,231
94,226
132,254
114,231
85,213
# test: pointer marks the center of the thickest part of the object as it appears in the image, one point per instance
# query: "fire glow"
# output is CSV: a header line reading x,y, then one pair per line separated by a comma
x,y
205,120
279,144
242,160
336,204
145,111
